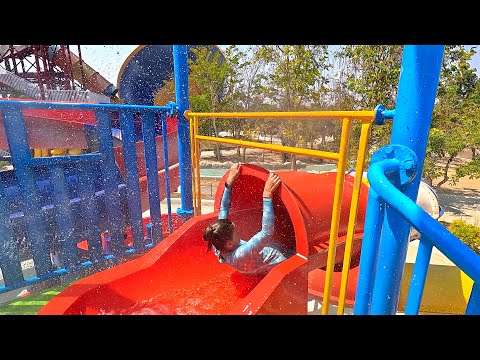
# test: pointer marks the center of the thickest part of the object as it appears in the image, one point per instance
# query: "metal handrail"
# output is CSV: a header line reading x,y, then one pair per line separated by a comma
x,y
347,117
382,192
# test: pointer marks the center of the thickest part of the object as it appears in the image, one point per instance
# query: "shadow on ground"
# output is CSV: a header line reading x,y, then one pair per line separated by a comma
x,y
461,203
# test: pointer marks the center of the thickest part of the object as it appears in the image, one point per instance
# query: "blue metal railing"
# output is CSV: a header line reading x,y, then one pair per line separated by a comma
x,y
386,176
56,202
394,176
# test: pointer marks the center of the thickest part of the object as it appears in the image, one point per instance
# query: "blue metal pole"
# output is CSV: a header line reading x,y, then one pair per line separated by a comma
x,y
473,306
419,276
167,172
180,68
368,256
151,166
417,89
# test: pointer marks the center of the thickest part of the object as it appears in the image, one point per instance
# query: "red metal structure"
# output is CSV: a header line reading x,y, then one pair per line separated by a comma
x,y
31,62
50,72
178,277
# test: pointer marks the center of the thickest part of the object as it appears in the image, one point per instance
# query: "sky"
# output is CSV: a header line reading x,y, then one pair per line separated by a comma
x,y
108,59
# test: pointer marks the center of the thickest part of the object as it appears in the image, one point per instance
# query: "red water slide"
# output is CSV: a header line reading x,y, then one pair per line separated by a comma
x,y
177,276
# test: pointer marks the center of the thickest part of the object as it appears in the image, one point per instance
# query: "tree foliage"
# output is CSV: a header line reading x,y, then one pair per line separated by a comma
x,y
300,78
369,75
211,74
454,120
293,80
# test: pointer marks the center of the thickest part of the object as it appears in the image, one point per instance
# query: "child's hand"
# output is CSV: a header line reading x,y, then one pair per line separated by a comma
x,y
233,174
271,184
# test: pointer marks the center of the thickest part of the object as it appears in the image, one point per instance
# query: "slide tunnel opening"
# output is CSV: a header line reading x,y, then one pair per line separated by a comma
x,y
246,208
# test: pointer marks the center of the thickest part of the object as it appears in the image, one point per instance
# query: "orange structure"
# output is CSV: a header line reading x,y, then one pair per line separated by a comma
x,y
177,276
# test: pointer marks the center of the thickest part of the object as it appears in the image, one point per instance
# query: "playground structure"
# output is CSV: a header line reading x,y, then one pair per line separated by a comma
x,y
52,72
155,283
127,286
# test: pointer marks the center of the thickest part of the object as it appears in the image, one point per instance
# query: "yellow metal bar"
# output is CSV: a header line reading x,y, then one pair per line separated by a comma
x,y
367,118
194,164
197,175
337,202
359,115
362,150
272,147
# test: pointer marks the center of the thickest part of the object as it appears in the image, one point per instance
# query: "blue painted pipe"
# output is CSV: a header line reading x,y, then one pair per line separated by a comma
x,y
417,89
184,153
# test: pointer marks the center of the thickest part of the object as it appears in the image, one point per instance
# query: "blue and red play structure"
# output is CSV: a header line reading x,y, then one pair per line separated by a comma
x,y
78,198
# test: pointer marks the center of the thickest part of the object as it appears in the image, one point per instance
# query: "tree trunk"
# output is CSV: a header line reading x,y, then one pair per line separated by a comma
x,y
284,156
445,172
244,156
218,155
293,157
474,150
216,149
429,180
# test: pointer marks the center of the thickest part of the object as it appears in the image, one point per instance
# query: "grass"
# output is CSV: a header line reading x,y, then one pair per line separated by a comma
x,y
32,303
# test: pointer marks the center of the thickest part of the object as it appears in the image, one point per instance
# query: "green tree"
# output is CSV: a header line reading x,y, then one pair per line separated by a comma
x,y
455,116
210,74
241,94
368,76
293,79
471,121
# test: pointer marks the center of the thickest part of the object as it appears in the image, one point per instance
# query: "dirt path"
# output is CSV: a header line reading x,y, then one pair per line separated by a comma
x,y
461,201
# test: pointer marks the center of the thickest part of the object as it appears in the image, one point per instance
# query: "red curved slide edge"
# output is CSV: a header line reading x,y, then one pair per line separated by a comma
x,y
178,277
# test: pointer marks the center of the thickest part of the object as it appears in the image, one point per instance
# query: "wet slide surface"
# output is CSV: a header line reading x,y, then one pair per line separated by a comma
x,y
198,284
178,277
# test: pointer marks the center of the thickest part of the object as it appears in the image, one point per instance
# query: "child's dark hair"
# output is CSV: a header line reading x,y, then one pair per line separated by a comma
x,y
218,233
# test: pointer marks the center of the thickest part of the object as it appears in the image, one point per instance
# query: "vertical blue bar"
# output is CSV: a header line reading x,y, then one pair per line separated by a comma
x,y
132,179
419,275
110,183
167,171
368,256
25,174
473,306
63,216
88,204
180,66
417,90
9,255
151,169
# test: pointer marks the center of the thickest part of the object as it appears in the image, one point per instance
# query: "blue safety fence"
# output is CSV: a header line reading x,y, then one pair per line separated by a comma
x,y
48,205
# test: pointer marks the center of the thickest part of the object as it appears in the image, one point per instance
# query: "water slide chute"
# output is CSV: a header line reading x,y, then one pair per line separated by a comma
x,y
177,276
145,71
